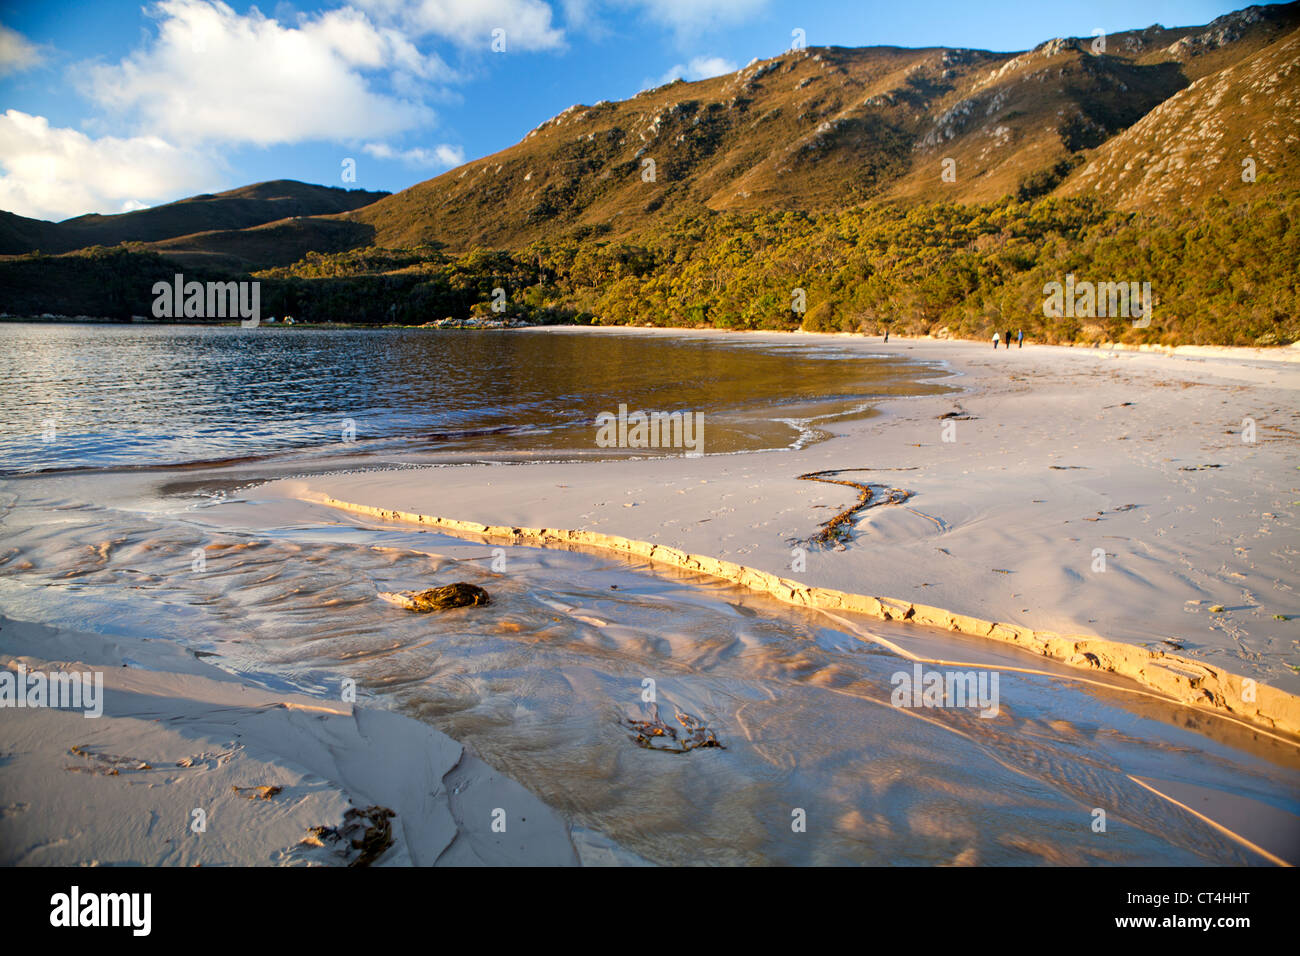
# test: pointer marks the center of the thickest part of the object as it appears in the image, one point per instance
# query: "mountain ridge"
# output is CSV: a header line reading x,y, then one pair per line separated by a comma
x,y
822,128
817,129
243,207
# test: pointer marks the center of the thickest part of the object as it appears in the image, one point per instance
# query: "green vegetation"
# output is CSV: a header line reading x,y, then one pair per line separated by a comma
x,y
966,269
113,283
797,192
971,269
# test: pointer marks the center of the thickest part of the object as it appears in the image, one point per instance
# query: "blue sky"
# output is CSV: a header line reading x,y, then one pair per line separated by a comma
x,y
116,104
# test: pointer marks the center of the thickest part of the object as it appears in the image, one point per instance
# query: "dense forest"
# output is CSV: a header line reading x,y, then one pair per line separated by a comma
x,y
1219,274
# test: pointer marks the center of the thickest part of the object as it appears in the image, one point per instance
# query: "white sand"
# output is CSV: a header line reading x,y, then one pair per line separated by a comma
x,y
1004,522
178,735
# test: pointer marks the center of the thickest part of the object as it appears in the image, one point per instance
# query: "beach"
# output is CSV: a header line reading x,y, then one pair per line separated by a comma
x,y
1048,498
1055,453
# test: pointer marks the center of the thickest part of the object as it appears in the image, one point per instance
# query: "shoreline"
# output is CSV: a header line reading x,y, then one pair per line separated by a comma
x,y
1179,679
1036,462
1289,352
955,503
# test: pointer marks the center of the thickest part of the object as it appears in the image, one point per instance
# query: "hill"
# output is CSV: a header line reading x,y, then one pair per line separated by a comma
x,y
242,208
826,128
1151,118
1232,134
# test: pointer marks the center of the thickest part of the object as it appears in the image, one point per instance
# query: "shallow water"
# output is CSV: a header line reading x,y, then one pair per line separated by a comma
x,y
80,396
537,681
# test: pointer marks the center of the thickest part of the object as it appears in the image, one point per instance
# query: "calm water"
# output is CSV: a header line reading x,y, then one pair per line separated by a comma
x,y
92,395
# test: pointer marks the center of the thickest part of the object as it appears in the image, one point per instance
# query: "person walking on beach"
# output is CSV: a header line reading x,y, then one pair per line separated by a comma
x,y
886,333
1020,339
995,342
1007,340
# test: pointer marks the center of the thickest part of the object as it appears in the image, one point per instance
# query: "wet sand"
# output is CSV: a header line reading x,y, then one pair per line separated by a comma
x,y
1001,524
1085,492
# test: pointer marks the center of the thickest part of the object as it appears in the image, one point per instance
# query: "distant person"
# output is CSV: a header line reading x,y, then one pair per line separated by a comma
x,y
1020,339
1008,338
886,335
995,342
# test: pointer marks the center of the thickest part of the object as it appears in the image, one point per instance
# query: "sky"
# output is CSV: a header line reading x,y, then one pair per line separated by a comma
x,y
115,105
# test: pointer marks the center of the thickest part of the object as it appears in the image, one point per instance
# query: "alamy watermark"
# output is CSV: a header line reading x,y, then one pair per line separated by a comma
x,y
926,688
651,430
75,908
179,299
61,690
1087,300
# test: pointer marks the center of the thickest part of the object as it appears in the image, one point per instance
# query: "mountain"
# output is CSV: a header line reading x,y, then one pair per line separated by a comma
x,y
266,246
236,209
825,128
933,191
1151,118
1231,133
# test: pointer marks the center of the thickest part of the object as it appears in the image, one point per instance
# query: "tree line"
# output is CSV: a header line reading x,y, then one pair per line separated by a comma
x,y
1219,274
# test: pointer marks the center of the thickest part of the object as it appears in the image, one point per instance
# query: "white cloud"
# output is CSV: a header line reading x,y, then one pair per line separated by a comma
x,y
685,16
213,74
581,15
469,23
441,155
700,68
361,44
16,53
53,173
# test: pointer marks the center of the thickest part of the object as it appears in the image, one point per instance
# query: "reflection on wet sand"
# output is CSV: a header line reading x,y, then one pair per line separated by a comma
x,y
542,681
